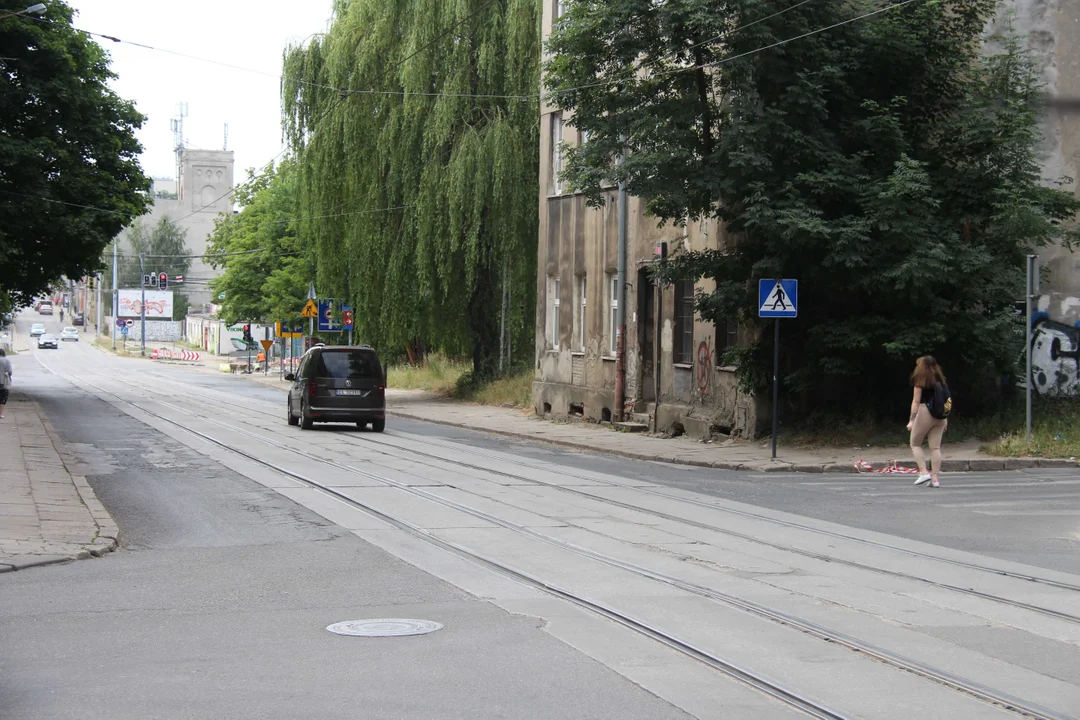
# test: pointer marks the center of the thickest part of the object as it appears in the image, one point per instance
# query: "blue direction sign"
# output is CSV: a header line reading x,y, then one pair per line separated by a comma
x,y
778,298
327,322
124,330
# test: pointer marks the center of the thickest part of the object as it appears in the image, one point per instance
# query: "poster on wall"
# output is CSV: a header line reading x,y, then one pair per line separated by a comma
x,y
159,304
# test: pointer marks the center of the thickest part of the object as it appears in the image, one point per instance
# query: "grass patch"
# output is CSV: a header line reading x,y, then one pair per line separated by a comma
x,y
513,389
1055,430
449,378
438,375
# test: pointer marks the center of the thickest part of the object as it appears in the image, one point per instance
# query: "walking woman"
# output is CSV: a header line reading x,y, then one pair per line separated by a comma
x,y
5,380
923,424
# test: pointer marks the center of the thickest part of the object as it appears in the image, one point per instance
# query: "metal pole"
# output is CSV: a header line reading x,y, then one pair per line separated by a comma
x,y
142,310
1027,334
620,321
502,320
657,355
116,298
97,327
775,385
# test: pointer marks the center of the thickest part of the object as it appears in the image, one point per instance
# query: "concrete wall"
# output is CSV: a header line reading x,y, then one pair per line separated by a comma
x,y
1053,31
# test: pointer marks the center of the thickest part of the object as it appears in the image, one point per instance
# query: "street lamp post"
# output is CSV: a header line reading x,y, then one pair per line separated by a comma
x,y
38,9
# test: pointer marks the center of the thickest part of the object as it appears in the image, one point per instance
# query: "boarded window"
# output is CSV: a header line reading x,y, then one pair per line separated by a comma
x,y
684,322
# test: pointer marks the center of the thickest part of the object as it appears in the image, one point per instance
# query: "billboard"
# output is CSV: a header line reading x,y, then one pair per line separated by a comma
x,y
159,304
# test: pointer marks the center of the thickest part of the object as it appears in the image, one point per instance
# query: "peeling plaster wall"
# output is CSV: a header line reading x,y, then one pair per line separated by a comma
x,y
1053,31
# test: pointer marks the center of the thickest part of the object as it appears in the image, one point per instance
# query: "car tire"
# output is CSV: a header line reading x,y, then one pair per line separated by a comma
x,y
291,418
361,425
378,425
305,422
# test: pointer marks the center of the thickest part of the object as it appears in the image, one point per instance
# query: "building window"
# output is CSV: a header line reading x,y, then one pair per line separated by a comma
x,y
684,322
560,8
613,315
583,137
581,313
553,299
727,336
556,153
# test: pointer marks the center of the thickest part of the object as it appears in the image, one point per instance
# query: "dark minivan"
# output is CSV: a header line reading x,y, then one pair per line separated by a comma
x,y
338,384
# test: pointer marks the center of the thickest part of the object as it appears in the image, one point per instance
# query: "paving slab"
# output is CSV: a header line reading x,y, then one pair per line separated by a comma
x,y
47,514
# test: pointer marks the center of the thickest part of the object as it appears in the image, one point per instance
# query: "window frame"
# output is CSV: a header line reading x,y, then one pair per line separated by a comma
x,y
556,310
683,345
582,306
728,335
556,152
613,313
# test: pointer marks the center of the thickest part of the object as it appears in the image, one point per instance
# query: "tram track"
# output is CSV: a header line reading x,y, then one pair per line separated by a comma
x,y
409,454
788,696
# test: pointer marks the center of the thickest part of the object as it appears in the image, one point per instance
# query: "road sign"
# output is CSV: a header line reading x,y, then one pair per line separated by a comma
x,y
310,310
327,321
778,298
266,344
129,322
124,331
121,322
346,318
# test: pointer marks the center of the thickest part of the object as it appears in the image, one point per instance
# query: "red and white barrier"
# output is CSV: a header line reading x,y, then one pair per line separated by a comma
x,y
166,354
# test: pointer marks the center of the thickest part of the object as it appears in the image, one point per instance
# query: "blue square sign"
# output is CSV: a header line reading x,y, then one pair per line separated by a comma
x,y
778,298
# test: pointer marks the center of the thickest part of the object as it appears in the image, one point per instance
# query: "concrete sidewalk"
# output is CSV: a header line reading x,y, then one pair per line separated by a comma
x,y
726,455
47,515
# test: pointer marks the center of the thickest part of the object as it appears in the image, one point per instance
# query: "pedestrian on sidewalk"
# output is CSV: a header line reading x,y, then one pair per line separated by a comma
x,y
5,380
923,424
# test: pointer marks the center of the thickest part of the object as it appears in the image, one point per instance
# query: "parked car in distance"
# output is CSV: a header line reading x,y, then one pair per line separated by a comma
x,y
77,319
48,341
45,308
69,333
338,384
37,329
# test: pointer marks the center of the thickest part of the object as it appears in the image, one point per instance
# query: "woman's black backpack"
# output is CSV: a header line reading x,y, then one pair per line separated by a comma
x,y
940,401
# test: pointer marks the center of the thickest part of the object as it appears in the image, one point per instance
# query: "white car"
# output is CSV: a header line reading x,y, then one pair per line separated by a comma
x,y
37,329
69,333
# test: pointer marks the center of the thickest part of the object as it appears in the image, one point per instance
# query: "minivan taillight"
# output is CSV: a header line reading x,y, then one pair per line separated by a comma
x,y
382,391
312,389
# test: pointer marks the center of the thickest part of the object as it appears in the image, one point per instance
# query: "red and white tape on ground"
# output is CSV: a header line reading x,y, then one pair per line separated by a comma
x,y
166,354
892,467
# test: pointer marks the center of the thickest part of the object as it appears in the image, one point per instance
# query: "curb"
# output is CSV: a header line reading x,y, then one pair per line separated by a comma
x,y
779,466
107,538
768,466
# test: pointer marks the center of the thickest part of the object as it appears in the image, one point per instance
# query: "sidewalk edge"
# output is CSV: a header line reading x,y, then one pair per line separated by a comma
x,y
768,466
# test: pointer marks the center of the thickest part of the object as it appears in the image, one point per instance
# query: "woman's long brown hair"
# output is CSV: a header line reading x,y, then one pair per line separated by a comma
x,y
927,372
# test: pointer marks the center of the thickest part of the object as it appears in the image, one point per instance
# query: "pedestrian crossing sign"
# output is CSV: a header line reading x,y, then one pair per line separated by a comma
x,y
310,310
778,298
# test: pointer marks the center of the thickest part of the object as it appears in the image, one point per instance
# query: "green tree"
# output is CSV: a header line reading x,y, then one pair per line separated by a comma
x,y
418,180
265,269
69,173
885,163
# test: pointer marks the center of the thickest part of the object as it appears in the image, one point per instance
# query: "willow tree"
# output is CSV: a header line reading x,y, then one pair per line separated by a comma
x,y
415,128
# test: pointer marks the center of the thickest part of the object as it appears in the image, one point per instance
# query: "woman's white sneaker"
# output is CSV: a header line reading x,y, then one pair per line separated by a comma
x,y
935,484
925,477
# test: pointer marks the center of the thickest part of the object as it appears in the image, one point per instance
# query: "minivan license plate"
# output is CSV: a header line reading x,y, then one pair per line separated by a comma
x,y
352,392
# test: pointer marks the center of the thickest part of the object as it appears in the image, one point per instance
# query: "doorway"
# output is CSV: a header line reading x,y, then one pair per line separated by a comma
x,y
647,334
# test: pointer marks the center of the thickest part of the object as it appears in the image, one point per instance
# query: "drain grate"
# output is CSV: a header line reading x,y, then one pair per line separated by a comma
x,y
384,627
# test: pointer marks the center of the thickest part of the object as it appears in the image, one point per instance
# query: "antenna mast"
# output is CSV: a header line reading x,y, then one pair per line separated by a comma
x,y
177,127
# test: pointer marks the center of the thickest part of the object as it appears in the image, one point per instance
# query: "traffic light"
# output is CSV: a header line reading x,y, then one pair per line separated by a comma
x,y
145,280
163,281
247,334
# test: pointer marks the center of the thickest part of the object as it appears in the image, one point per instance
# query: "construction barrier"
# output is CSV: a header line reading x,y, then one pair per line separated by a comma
x,y
166,354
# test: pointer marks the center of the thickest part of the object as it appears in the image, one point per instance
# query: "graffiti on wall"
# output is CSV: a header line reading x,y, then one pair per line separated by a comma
x,y
1055,357
704,368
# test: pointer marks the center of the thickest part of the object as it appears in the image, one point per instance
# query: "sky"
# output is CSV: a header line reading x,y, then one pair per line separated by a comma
x,y
244,33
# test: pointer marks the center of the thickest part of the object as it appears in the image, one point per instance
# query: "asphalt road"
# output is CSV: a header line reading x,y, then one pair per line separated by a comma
x,y
217,603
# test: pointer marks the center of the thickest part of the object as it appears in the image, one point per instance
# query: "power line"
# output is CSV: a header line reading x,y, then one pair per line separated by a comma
x,y
713,63
61,202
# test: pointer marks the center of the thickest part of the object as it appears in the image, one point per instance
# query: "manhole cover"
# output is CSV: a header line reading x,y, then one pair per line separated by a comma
x,y
384,627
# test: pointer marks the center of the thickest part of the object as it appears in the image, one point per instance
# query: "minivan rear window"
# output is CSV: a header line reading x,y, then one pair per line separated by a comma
x,y
348,365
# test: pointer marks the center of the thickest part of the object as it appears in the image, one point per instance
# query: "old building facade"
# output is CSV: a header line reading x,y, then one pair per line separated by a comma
x,y
673,376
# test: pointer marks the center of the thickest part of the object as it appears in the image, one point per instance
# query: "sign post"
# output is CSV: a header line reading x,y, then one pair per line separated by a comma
x,y
266,345
777,299
1032,293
